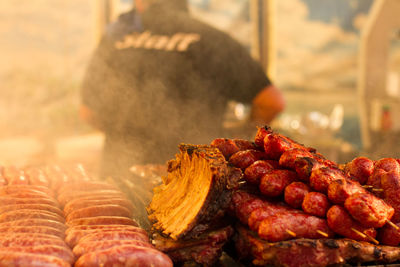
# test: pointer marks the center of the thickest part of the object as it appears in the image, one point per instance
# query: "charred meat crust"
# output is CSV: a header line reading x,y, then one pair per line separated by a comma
x,y
315,252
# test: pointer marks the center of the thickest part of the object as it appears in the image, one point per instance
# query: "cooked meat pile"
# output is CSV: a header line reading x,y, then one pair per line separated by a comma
x,y
293,206
56,217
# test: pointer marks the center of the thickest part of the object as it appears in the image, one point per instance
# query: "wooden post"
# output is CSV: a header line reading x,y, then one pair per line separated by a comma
x,y
262,13
373,59
106,12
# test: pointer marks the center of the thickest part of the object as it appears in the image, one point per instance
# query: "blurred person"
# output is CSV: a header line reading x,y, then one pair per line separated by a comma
x,y
160,78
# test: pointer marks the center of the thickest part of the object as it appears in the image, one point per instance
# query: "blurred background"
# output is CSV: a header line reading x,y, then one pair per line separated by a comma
x,y
337,62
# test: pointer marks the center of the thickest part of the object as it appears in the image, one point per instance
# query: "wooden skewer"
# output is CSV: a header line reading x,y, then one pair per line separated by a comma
x,y
373,239
367,186
242,182
291,233
359,233
377,190
392,224
322,233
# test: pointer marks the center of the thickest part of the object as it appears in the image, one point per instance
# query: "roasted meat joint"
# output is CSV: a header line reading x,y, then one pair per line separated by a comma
x,y
272,201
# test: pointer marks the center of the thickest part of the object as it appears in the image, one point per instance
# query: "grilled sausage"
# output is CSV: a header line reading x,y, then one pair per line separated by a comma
x,y
102,220
14,176
125,255
368,210
65,197
115,235
29,214
43,207
390,182
274,183
82,203
243,159
288,158
50,250
78,228
289,225
387,164
340,221
87,247
9,189
388,235
360,168
32,229
74,236
35,222
31,240
87,186
255,171
316,204
321,178
259,214
294,194
10,200
30,259
100,210
37,177
339,190
262,132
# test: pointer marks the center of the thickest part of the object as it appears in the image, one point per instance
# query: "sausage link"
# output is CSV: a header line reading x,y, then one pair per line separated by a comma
x,y
100,210
115,235
339,190
15,176
65,197
43,207
387,164
31,240
226,146
125,255
258,215
388,235
375,180
42,190
360,168
294,194
50,250
280,226
37,177
321,178
29,214
243,159
10,200
316,204
73,237
29,259
102,220
32,229
82,203
87,247
288,158
87,186
274,183
262,132
369,210
102,227
390,182
255,171
35,222
340,221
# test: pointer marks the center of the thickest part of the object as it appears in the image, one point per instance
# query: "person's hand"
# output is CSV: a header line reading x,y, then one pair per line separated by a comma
x,y
267,104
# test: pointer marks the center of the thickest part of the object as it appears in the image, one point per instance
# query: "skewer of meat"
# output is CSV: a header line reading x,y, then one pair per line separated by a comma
x,y
281,226
340,221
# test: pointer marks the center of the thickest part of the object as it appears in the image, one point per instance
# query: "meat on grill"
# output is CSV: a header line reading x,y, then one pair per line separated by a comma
x,y
314,252
195,193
